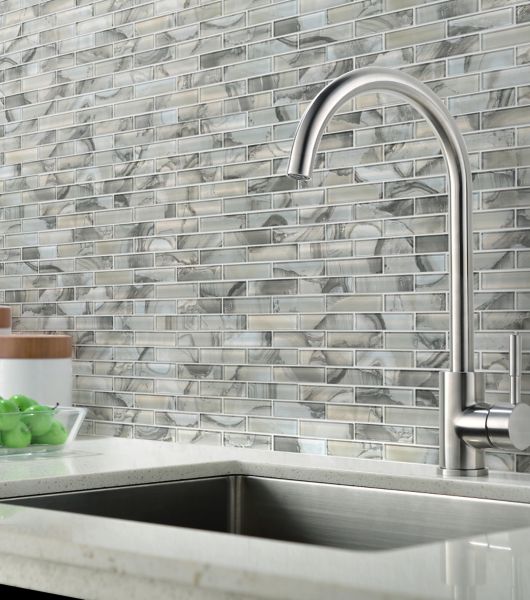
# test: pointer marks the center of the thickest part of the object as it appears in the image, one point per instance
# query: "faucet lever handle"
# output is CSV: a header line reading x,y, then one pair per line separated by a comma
x,y
515,368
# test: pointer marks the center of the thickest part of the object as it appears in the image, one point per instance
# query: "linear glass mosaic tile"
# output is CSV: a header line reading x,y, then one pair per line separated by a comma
x,y
145,211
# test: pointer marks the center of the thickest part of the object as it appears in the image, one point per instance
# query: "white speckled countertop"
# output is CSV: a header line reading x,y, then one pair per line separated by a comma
x,y
99,558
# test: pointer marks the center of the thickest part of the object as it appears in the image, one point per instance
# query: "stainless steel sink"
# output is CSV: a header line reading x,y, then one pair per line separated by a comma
x,y
355,518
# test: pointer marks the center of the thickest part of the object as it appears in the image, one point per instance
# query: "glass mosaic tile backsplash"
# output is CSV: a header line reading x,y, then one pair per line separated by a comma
x,y
146,211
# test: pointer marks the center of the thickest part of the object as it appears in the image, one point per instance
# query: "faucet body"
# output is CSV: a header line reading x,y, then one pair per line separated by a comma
x,y
468,424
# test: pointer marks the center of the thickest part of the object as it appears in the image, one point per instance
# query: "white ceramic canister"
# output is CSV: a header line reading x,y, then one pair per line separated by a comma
x,y
5,320
38,366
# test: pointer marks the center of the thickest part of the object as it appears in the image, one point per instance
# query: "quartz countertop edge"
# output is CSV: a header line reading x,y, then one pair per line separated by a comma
x,y
97,557
92,463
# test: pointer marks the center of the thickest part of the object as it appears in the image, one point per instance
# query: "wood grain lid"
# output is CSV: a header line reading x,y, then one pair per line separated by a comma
x,y
5,317
35,346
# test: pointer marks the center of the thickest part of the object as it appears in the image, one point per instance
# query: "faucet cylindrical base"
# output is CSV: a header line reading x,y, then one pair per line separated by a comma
x,y
462,393
463,472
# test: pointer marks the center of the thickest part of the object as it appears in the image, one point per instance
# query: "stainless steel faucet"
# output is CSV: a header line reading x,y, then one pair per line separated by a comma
x,y
468,424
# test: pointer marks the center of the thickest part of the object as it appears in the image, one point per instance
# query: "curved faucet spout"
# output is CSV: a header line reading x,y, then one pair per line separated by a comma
x,y
305,145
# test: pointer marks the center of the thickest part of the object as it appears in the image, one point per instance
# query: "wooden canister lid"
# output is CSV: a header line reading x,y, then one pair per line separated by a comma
x,y
35,346
5,317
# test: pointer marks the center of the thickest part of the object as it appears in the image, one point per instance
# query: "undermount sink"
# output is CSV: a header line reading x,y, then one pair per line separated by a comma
x,y
355,518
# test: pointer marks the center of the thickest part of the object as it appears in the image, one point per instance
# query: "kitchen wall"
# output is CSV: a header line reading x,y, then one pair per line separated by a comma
x,y
145,211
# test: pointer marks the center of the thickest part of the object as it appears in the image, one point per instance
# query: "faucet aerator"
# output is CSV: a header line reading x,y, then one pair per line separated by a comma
x,y
299,176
